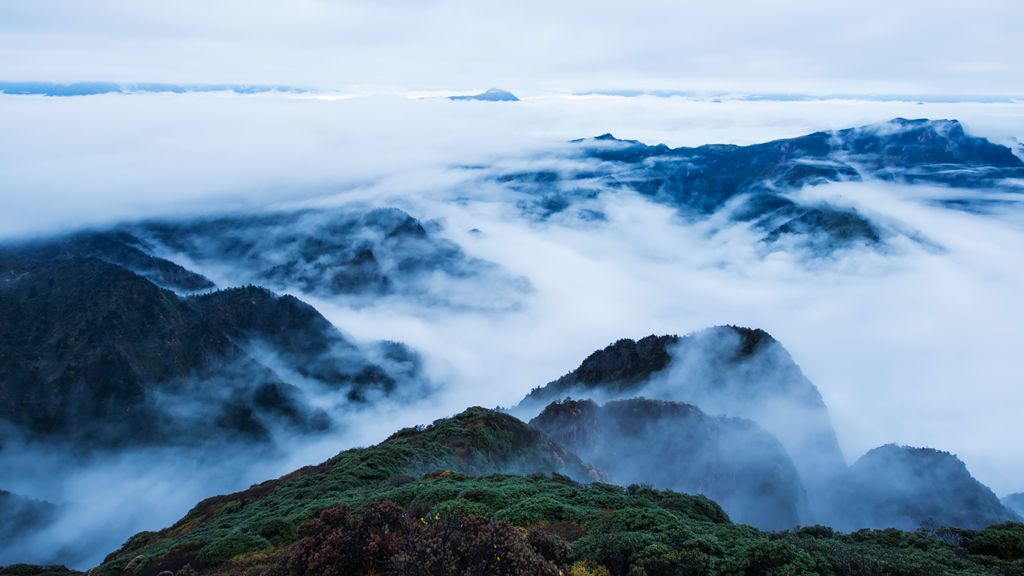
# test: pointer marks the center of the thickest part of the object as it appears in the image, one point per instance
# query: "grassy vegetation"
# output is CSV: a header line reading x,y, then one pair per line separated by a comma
x,y
428,501
265,516
634,531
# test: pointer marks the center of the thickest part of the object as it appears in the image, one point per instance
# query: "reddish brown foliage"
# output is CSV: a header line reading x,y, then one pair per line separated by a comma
x,y
386,539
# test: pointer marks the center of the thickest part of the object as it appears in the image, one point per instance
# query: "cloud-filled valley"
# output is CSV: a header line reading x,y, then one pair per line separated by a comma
x,y
481,238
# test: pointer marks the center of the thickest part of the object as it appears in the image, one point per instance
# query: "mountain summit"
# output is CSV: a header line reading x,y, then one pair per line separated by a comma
x,y
491,95
726,370
902,486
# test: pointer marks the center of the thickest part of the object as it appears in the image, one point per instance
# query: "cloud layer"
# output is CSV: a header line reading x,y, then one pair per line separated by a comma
x,y
916,344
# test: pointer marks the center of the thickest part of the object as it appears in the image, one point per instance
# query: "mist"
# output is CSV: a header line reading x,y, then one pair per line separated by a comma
x,y
677,446
94,502
916,343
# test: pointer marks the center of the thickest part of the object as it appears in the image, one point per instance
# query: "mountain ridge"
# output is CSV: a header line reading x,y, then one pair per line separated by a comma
x,y
904,486
724,370
84,339
755,184
676,446
363,513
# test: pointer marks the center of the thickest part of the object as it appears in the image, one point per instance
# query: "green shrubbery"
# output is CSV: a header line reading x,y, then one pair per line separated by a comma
x,y
1004,541
379,504
226,548
542,522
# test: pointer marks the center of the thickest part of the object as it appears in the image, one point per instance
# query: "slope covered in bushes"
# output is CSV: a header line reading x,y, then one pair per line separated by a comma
x,y
446,523
440,500
476,441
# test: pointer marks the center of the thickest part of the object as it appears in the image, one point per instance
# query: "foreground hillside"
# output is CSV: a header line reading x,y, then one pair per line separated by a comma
x,y
440,500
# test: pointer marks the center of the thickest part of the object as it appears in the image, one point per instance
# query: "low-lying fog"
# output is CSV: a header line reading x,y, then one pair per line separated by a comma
x,y
918,344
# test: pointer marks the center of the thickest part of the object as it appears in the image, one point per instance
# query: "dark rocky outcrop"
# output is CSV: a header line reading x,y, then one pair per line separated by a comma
x,y
621,366
746,374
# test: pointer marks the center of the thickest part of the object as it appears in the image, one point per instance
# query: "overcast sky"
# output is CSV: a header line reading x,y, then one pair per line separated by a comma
x,y
864,46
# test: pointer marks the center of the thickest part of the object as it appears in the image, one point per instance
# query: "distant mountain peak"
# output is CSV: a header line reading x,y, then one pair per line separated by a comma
x,y
490,95
1015,502
895,486
723,370
626,363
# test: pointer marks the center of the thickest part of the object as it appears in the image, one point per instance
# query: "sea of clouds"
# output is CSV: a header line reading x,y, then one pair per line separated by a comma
x,y
917,344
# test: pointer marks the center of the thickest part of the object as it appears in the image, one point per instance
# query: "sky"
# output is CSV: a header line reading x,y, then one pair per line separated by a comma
x,y
533,46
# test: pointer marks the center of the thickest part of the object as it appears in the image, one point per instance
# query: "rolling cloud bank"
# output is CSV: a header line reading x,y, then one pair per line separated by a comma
x,y
268,279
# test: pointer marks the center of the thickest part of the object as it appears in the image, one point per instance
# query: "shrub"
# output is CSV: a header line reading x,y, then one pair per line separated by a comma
x,y
1004,541
384,538
776,558
549,545
277,531
536,509
458,508
326,547
470,547
616,551
588,568
226,548
634,519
